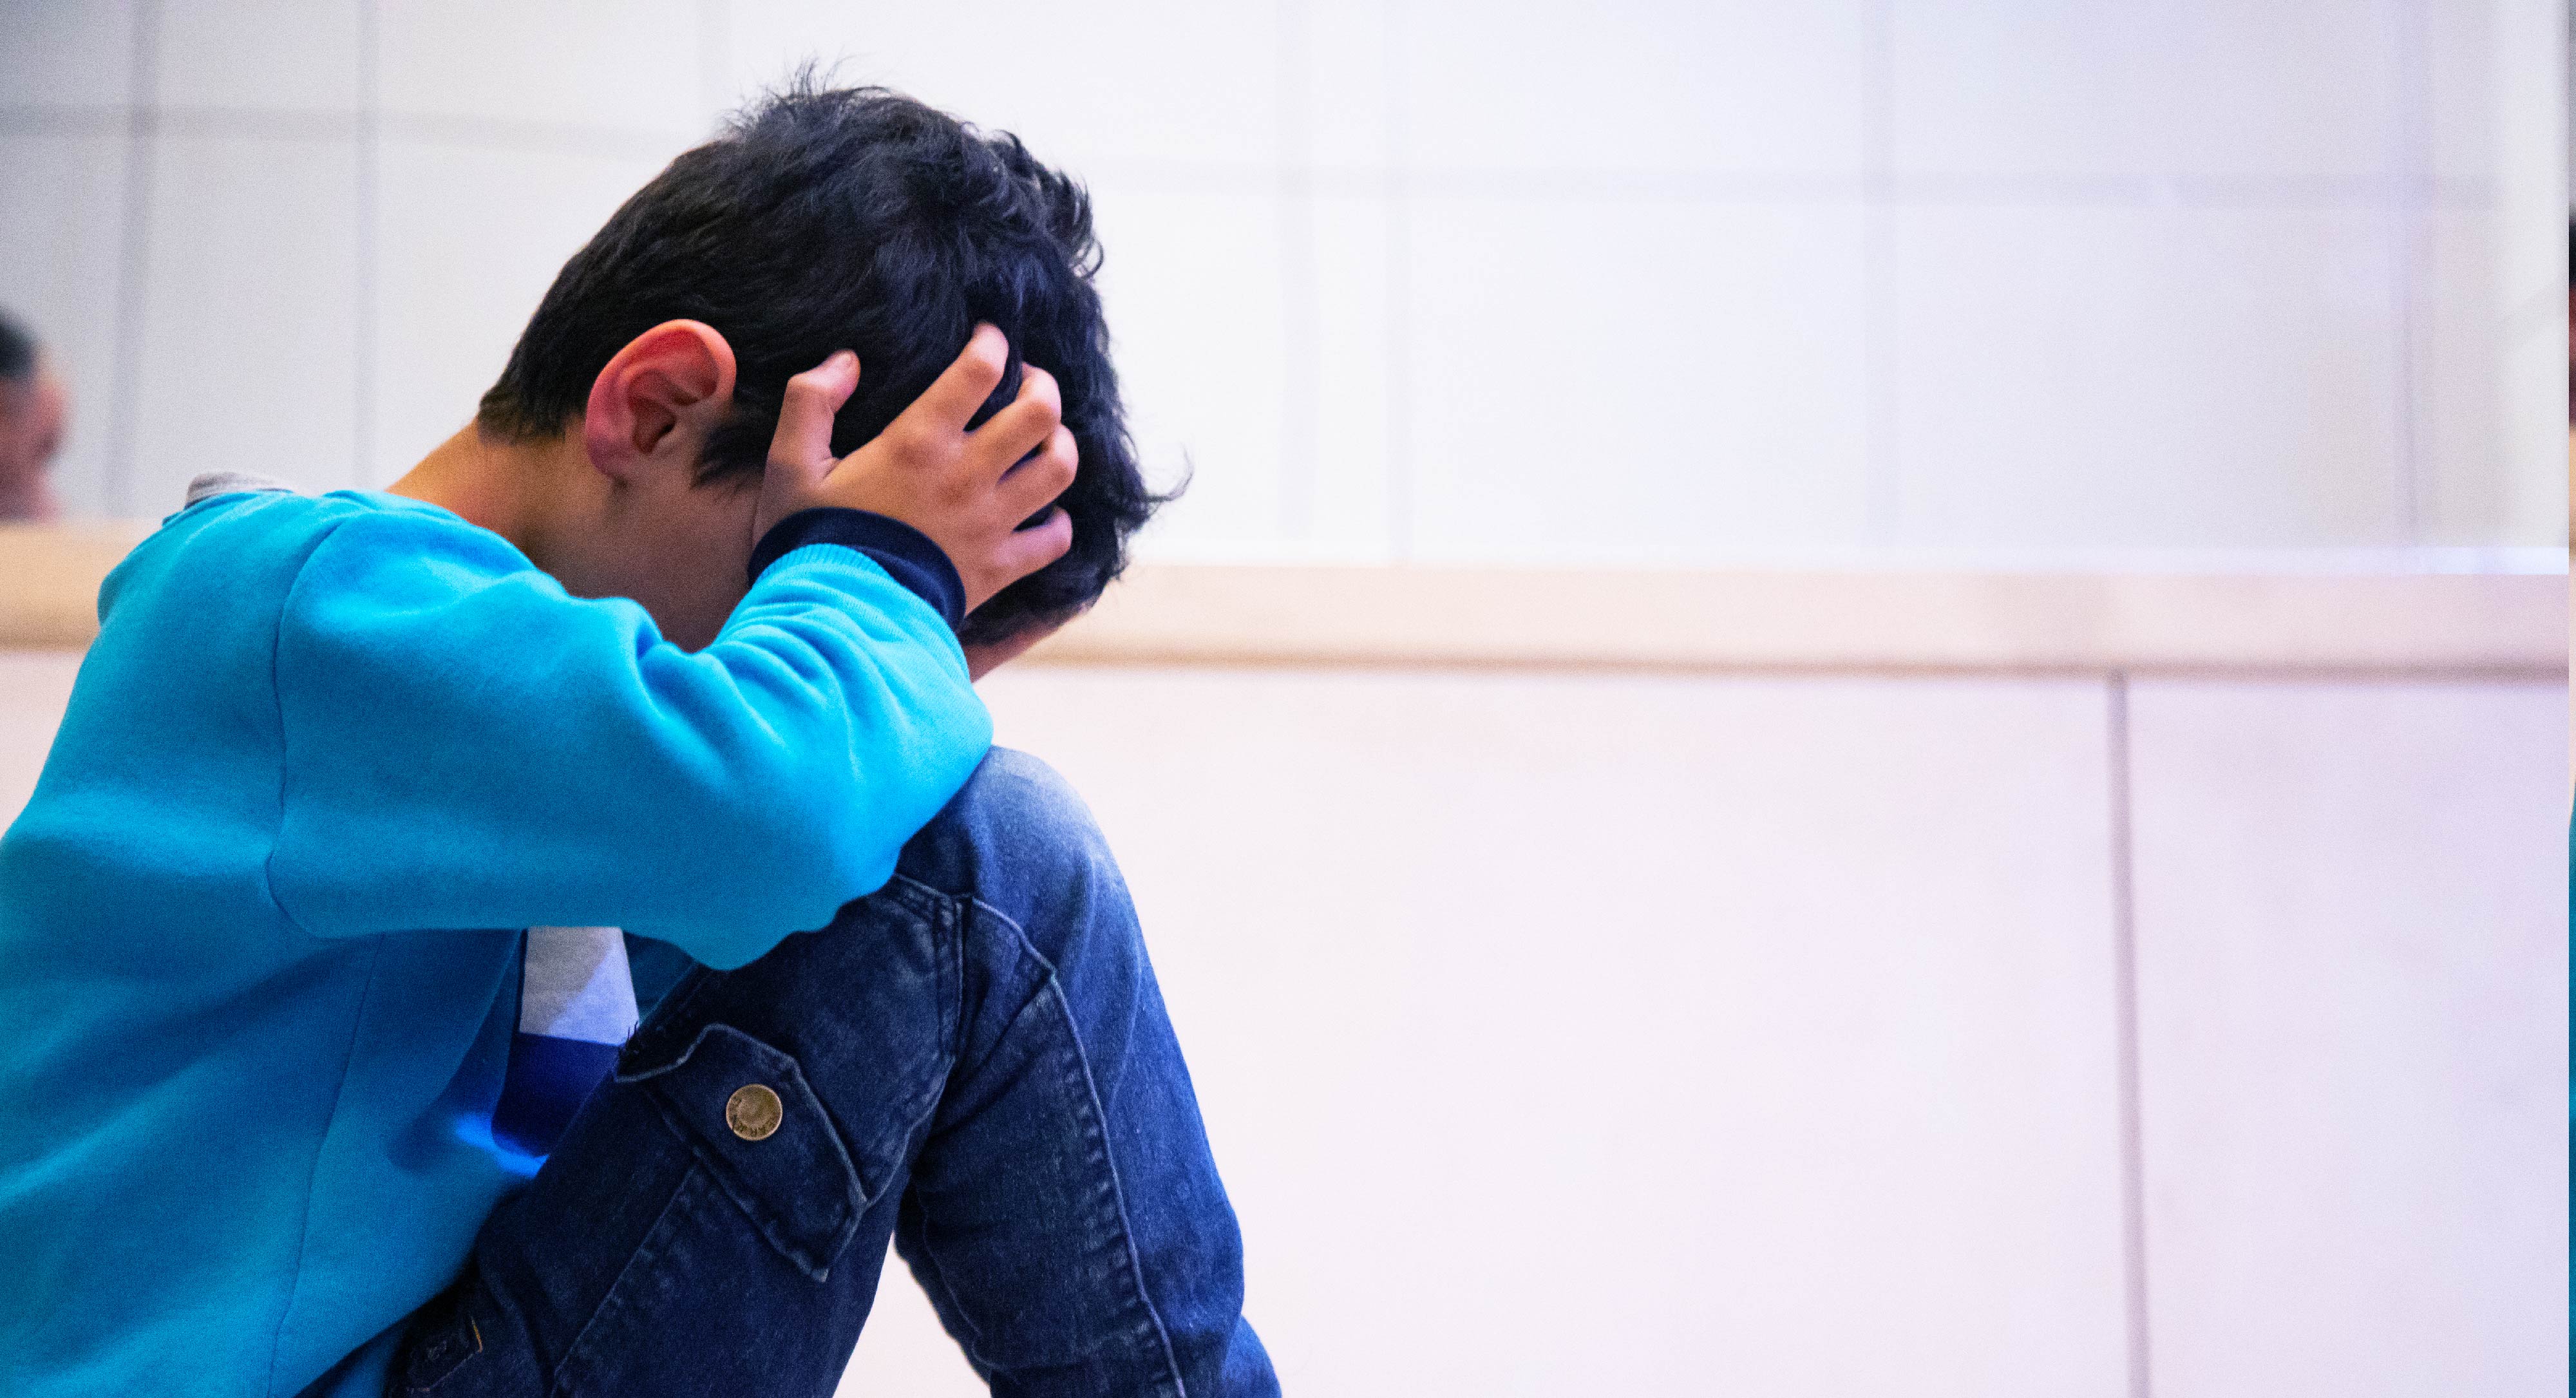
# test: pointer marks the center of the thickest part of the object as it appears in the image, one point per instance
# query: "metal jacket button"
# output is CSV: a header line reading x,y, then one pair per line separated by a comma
x,y
753,1111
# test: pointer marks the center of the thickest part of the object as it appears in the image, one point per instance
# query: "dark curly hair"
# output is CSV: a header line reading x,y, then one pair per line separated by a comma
x,y
17,351
858,218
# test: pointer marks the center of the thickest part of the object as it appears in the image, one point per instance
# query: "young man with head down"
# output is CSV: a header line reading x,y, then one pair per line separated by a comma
x,y
320,1068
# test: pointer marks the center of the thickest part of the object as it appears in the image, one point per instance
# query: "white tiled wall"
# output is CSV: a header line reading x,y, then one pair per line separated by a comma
x,y
2352,970
1732,1036
68,57
1642,282
1575,392
1761,1036
250,285
2288,92
2100,375
62,207
258,55
468,235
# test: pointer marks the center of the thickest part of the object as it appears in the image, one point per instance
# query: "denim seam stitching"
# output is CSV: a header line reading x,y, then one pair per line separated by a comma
x,y
939,912
762,1214
971,1343
912,891
943,909
559,1379
1150,1322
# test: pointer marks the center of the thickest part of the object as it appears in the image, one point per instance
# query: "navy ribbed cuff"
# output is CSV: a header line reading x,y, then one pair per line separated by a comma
x,y
904,552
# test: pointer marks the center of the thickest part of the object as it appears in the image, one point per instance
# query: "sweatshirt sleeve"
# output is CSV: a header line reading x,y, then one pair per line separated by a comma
x,y
466,745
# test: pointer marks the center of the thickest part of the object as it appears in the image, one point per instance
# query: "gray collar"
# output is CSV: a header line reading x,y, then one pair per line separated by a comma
x,y
214,483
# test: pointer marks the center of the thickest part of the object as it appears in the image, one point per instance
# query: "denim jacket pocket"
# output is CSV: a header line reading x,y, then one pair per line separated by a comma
x,y
747,1114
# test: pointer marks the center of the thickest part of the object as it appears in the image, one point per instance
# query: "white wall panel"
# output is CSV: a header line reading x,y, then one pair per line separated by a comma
x,y
62,227
249,348
1347,421
2211,88
1735,86
66,55
1345,113
2071,377
469,239
2024,87
259,55
2464,44
1639,378
624,65
1195,297
2351,931
1634,1035
2126,358
1148,87
2490,359
2490,334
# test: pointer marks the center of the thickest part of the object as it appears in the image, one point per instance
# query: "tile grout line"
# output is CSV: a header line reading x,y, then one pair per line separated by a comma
x,y
1300,281
362,421
2408,210
1399,293
2212,193
116,484
1879,486
2124,973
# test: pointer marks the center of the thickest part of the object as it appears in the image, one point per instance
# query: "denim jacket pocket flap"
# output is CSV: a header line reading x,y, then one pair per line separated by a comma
x,y
748,1115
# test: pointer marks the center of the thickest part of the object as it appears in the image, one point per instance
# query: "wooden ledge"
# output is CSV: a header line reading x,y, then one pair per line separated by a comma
x,y
1852,620
49,576
1849,621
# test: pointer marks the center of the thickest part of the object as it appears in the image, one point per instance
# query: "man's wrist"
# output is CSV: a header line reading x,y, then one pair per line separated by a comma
x,y
909,556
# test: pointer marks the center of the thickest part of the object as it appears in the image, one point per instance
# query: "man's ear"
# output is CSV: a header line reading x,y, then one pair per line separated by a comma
x,y
659,398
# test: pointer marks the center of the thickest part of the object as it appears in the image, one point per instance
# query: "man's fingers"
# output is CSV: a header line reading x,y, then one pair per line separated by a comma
x,y
1037,481
1028,550
1026,424
963,386
803,442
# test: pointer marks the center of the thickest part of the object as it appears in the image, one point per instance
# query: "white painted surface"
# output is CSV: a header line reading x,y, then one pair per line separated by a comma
x,y
252,242
67,56
1142,87
2116,377
2288,89
615,65
259,55
1635,1035
1563,355
1742,87
1202,347
2352,951
1631,283
470,238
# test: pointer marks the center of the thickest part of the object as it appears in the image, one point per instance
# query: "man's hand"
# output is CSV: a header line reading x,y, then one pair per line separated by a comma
x,y
968,491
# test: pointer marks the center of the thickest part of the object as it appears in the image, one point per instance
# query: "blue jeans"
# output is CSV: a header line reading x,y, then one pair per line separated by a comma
x,y
974,1060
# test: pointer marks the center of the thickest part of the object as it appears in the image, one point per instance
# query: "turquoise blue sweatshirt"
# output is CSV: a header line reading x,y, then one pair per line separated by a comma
x,y
259,926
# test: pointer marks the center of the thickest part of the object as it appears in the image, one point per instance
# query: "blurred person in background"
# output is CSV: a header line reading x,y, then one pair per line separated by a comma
x,y
33,408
